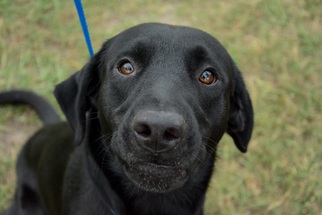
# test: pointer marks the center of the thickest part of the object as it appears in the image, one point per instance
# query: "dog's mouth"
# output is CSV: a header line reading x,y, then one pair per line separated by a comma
x,y
153,177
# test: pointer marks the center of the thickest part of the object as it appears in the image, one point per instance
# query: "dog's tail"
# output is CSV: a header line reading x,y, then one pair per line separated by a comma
x,y
44,110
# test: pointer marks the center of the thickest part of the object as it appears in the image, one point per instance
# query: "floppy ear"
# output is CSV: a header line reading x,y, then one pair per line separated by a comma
x,y
240,124
78,94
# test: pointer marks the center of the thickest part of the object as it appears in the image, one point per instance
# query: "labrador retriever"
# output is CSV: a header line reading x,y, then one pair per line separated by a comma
x,y
145,116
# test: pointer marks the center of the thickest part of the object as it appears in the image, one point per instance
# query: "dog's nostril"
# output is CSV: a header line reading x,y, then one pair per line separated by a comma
x,y
143,130
171,134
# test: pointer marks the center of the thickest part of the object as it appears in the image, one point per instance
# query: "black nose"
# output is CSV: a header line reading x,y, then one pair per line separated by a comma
x,y
158,131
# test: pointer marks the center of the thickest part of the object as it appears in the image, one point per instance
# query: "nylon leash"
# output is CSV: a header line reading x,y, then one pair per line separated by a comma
x,y
82,20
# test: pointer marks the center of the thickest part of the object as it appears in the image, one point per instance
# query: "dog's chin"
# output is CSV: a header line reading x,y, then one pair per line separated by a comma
x,y
155,178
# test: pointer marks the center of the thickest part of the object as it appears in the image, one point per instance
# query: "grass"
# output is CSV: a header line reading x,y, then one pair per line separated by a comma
x,y
276,43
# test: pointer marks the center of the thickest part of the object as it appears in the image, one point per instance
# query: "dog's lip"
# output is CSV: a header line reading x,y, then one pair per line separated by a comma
x,y
153,168
155,178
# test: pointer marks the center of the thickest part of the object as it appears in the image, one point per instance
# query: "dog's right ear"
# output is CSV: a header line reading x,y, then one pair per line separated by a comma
x,y
78,94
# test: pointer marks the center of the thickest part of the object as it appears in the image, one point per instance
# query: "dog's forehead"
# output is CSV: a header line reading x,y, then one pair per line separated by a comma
x,y
162,35
162,30
177,46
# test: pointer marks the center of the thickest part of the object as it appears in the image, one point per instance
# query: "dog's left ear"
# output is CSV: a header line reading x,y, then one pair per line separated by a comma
x,y
78,94
240,124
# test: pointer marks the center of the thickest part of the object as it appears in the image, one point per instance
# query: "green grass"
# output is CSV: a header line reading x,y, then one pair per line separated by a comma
x,y
276,43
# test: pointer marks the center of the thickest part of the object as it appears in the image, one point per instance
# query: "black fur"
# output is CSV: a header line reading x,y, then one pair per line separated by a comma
x,y
46,113
144,142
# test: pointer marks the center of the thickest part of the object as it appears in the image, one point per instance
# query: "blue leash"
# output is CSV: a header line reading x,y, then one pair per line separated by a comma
x,y
82,20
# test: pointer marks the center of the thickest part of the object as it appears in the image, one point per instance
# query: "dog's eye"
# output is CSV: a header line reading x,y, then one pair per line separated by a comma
x,y
126,68
207,77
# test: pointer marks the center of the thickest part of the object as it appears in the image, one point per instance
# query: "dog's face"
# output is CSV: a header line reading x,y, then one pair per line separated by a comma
x,y
164,95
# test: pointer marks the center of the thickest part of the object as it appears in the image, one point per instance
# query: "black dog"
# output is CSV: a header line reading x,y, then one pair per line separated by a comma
x,y
147,113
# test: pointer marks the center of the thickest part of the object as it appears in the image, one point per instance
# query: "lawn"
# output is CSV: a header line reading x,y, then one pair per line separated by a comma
x,y
276,43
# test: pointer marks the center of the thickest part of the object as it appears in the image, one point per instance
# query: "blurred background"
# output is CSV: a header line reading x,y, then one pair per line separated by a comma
x,y
277,44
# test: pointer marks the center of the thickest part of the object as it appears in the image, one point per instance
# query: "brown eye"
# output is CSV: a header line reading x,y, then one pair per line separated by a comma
x,y
126,68
207,77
